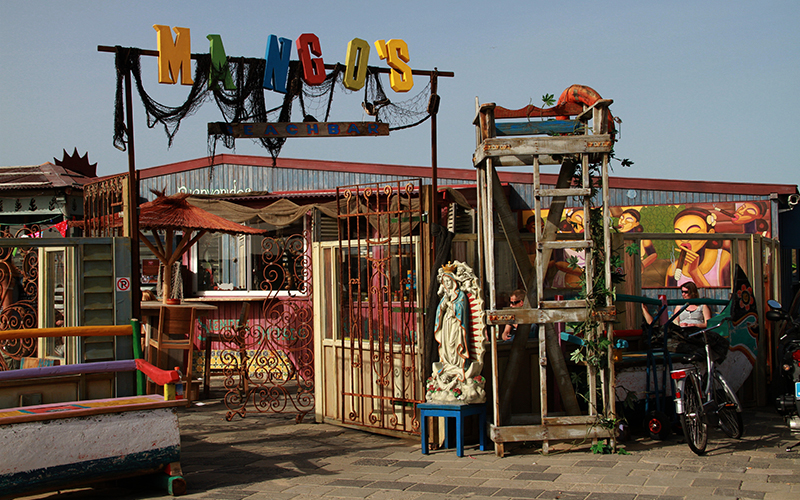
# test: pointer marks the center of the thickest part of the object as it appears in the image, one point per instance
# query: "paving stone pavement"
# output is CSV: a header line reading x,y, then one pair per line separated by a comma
x,y
271,457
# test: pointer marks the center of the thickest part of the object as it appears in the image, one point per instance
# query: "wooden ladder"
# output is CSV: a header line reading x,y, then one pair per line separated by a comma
x,y
493,151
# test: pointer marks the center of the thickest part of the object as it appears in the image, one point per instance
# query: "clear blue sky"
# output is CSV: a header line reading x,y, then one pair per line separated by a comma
x,y
705,90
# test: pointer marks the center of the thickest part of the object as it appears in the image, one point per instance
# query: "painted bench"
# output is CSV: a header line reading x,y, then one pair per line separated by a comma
x,y
91,440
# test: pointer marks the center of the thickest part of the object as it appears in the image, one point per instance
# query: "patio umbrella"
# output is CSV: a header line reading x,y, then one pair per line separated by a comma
x,y
174,213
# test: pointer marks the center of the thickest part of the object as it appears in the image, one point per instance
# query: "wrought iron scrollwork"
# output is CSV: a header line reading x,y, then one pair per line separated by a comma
x,y
19,297
269,366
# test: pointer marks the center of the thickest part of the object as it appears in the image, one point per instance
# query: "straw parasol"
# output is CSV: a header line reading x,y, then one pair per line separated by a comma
x,y
174,213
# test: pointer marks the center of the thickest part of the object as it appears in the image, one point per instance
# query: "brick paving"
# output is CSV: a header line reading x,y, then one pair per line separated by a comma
x,y
270,457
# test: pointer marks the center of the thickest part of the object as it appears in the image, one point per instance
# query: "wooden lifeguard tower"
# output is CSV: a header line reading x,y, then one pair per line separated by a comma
x,y
547,136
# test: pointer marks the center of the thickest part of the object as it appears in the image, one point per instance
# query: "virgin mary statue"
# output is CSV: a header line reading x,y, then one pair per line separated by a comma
x,y
459,330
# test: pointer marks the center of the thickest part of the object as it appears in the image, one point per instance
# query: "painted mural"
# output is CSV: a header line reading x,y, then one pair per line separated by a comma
x,y
666,263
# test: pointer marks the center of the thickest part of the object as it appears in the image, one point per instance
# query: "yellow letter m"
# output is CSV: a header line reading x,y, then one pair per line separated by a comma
x,y
174,58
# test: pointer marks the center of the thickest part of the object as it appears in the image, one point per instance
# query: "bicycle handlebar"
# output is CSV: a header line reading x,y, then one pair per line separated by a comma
x,y
704,330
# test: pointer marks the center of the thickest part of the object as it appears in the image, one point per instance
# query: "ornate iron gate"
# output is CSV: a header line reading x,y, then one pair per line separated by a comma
x,y
19,297
380,300
268,359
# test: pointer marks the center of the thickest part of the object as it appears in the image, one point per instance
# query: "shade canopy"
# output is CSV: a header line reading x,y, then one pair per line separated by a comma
x,y
174,212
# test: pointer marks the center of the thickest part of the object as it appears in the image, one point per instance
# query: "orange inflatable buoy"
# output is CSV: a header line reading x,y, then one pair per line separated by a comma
x,y
581,94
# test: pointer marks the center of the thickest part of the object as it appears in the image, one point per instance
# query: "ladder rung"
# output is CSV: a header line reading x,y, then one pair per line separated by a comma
x,y
563,304
563,192
566,244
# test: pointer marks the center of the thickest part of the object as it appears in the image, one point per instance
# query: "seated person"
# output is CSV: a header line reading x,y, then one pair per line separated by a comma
x,y
692,319
694,316
517,300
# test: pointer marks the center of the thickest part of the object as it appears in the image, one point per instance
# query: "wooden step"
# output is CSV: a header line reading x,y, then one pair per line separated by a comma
x,y
562,192
560,244
523,316
563,304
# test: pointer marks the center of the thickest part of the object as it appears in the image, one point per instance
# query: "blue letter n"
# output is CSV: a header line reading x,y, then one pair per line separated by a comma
x,y
277,64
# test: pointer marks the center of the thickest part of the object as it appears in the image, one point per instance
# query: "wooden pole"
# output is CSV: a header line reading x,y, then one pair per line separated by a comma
x,y
433,110
133,202
167,285
71,331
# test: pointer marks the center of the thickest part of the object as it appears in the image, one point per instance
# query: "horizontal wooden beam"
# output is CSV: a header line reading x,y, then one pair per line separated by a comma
x,y
563,192
552,432
562,244
499,148
524,316
534,316
522,161
67,331
374,69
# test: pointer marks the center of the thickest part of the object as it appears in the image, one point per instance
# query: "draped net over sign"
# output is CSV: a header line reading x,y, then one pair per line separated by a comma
x,y
246,103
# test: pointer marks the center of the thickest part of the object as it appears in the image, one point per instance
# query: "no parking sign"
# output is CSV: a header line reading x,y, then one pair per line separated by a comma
x,y
123,284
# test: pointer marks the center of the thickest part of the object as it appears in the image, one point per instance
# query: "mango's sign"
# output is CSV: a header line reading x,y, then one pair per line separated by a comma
x,y
174,59
301,129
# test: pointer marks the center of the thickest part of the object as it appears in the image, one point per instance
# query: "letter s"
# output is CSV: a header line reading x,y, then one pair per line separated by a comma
x,y
395,51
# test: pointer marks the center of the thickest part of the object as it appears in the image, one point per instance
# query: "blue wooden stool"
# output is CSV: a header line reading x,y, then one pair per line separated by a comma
x,y
457,411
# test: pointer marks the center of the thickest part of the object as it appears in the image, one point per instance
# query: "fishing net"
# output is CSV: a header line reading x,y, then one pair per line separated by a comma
x,y
246,104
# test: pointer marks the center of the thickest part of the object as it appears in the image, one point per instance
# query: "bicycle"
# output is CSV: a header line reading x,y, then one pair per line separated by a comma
x,y
703,399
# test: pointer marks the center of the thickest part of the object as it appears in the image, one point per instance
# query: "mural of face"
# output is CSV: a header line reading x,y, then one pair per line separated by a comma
x,y
575,218
747,212
627,222
691,224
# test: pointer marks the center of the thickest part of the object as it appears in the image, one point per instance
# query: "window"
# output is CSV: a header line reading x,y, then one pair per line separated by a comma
x,y
231,264
52,299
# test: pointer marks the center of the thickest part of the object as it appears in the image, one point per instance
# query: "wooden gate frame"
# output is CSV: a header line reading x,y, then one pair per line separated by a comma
x,y
332,385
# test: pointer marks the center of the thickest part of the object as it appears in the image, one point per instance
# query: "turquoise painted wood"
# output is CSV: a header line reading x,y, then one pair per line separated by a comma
x,y
69,475
549,127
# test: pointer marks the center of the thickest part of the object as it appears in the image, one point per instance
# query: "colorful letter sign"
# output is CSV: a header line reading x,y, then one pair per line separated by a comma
x,y
218,61
356,71
395,52
277,64
313,67
174,58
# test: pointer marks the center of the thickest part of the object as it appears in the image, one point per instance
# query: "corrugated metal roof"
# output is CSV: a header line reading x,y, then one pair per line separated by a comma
x,y
238,174
44,176
296,174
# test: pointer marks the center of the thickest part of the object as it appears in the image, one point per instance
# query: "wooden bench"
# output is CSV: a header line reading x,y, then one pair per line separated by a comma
x,y
90,440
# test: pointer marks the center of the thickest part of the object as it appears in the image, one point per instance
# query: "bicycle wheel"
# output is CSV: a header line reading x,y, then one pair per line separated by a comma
x,y
695,429
730,418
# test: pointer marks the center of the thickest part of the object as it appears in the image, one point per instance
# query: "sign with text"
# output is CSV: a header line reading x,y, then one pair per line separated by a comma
x,y
174,58
299,129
